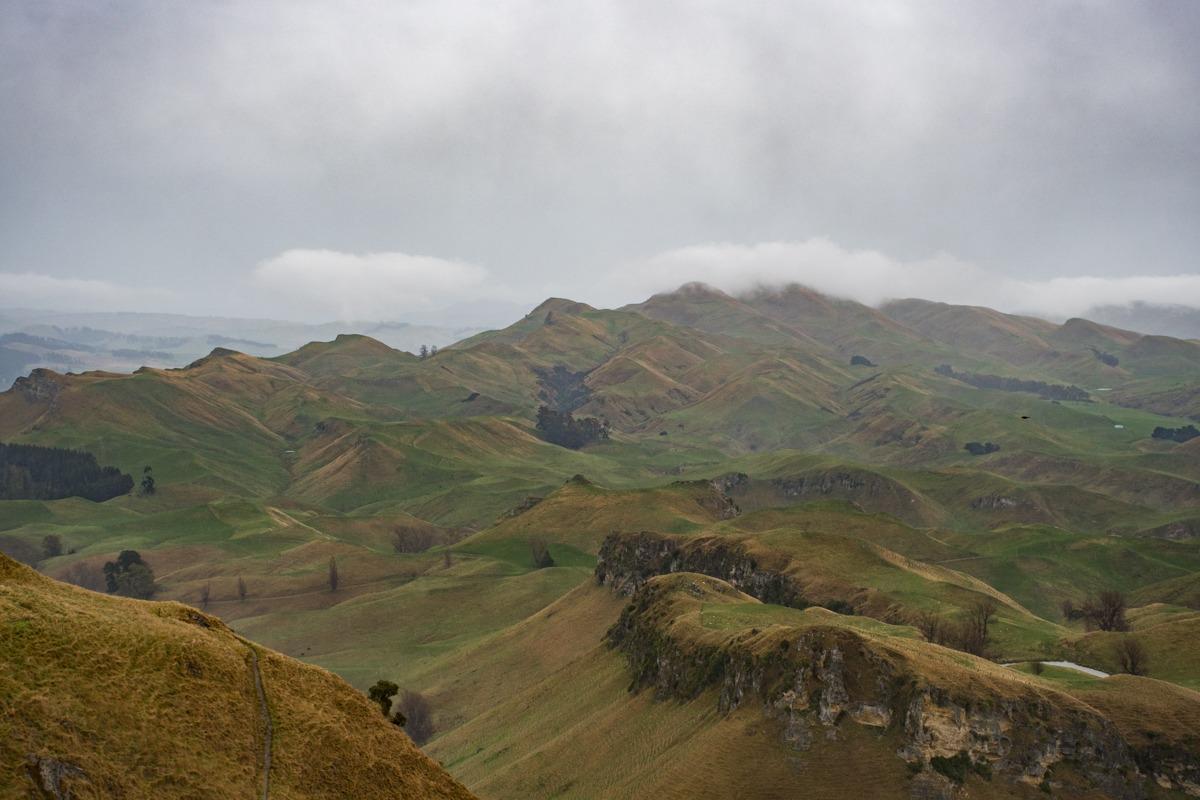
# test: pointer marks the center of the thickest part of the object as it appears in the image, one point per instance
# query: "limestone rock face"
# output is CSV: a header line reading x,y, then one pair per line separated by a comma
x,y
40,386
814,680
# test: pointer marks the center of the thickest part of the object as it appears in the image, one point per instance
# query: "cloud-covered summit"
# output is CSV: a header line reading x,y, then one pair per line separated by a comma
x,y
180,147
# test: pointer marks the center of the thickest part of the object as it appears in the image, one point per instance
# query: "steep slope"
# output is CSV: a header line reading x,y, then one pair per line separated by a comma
x,y
702,691
107,697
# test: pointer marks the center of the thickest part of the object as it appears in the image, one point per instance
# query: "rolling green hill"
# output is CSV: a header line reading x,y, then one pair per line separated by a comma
x,y
744,444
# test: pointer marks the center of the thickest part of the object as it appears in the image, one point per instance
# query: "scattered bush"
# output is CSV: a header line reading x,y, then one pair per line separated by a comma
x,y
1070,611
954,767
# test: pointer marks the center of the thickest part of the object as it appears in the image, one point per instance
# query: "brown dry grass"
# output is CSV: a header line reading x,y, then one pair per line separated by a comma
x,y
156,700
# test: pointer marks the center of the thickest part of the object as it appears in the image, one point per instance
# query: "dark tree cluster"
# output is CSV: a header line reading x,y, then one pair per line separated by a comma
x,y
413,711
562,389
1105,358
129,576
427,352
980,448
149,486
1180,435
1047,391
564,430
968,633
861,361
31,472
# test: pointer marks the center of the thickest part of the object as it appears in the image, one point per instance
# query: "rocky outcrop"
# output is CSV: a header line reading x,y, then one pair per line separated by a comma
x,y
813,680
1000,502
865,489
54,779
627,561
40,386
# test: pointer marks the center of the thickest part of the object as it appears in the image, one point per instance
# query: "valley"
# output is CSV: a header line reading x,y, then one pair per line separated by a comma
x,y
760,581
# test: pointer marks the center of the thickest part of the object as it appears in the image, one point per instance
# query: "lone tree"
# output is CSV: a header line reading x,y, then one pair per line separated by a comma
x,y
1131,654
241,587
333,574
382,693
129,576
415,715
1106,611
540,553
973,633
205,595
52,546
148,486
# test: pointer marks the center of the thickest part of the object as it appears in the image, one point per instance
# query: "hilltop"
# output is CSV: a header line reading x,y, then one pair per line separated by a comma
x,y
110,697
865,469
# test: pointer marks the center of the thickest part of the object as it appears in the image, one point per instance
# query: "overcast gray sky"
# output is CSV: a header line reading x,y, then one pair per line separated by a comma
x,y
372,160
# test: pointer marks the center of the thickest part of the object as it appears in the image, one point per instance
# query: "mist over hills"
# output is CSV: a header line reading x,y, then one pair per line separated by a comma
x,y
765,571
122,342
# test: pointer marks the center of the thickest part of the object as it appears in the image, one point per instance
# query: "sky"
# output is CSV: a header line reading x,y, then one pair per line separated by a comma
x,y
396,160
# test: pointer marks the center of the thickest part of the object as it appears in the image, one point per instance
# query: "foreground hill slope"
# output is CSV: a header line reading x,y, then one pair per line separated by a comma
x,y
109,697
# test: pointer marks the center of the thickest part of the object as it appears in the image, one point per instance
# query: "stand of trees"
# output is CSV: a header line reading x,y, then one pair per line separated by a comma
x,y
968,633
564,430
413,712
1180,435
1048,391
31,472
980,448
129,576
1105,358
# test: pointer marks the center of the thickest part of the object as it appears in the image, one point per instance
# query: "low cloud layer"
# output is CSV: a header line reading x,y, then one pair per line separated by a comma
x,y
326,284
31,290
178,145
872,277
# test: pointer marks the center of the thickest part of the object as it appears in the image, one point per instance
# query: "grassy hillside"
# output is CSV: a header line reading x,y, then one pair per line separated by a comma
x,y
109,697
738,424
